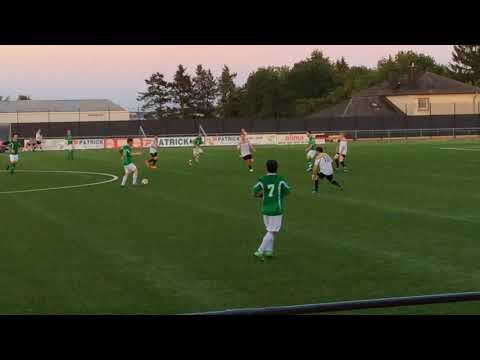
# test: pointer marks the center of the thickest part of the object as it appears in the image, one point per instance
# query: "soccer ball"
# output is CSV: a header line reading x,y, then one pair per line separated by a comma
x,y
144,181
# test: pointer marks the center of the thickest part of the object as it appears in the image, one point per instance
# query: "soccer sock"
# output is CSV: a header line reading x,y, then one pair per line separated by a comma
x,y
12,168
343,163
265,242
250,167
334,182
8,166
337,163
154,161
316,185
124,179
135,175
270,241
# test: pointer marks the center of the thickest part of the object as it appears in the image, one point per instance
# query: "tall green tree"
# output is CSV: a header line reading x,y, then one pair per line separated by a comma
x,y
229,94
465,65
181,92
157,97
267,93
23,97
312,78
392,67
204,88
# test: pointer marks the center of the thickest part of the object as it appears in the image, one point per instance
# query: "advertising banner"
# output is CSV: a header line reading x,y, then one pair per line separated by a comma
x,y
83,144
116,143
263,139
230,140
178,141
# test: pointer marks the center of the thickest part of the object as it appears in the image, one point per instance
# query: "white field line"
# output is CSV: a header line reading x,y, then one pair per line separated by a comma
x,y
460,149
111,179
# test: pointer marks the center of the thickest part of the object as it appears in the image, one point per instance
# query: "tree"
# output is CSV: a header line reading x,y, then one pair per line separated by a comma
x,y
229,94
465,64
23,97
392,68
313,77
157,97
267,93
181,92
204,89
341,66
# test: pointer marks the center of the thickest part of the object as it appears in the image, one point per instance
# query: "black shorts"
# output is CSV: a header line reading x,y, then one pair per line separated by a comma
x,y
153,155
39,142
248,157
328,177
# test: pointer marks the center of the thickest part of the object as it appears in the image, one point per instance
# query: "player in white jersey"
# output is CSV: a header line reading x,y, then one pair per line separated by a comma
x,y
323,169
153,151
39,139
341,152
246,149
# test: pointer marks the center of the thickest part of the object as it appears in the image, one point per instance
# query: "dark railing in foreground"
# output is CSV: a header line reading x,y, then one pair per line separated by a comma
x,y
351,305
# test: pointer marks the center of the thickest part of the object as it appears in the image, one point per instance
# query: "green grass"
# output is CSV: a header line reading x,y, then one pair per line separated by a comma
x,y
406,224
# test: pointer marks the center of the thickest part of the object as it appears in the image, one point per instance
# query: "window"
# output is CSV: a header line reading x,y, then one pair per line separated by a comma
x,y
423,104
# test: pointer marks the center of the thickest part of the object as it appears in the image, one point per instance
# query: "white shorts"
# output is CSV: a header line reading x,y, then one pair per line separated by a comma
x,y
13,158
311,154
197,151
69,147
273,223
130,168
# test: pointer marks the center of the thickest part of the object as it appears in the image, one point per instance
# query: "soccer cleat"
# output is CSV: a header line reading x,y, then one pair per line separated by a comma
x,y
251,170
268,254
259,255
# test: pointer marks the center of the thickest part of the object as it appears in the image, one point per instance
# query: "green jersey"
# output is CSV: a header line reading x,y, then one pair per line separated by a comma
x,y
312,143
127,154
69,139
274,188
198,141
13,147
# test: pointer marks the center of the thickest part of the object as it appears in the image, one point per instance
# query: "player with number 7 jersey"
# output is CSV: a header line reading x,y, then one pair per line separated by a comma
x,y
272,188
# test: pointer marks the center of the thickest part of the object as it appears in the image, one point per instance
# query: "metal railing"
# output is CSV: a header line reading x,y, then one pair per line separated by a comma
x,y
350,305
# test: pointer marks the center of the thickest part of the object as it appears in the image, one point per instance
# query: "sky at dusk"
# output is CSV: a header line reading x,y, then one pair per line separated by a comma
x,y
118,72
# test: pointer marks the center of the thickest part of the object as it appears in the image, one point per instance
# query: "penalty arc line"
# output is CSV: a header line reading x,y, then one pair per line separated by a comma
x,y
112,178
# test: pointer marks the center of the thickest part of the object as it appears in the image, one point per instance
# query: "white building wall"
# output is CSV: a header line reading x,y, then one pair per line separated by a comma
x,y
37,117
439,104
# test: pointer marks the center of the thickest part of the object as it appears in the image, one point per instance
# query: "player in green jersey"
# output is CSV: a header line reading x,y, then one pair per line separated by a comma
x,y
197,150
13,150
310,150
272,188
128,165
69,145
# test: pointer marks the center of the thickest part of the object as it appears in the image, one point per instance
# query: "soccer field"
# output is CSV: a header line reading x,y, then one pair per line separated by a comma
x,y
406,224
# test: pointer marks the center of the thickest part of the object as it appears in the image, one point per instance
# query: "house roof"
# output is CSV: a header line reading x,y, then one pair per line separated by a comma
x,y
59,105
360,106
373,101
426,83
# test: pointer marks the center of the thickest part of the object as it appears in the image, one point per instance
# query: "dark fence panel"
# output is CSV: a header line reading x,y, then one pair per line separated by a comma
x,y
233,125
264,125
